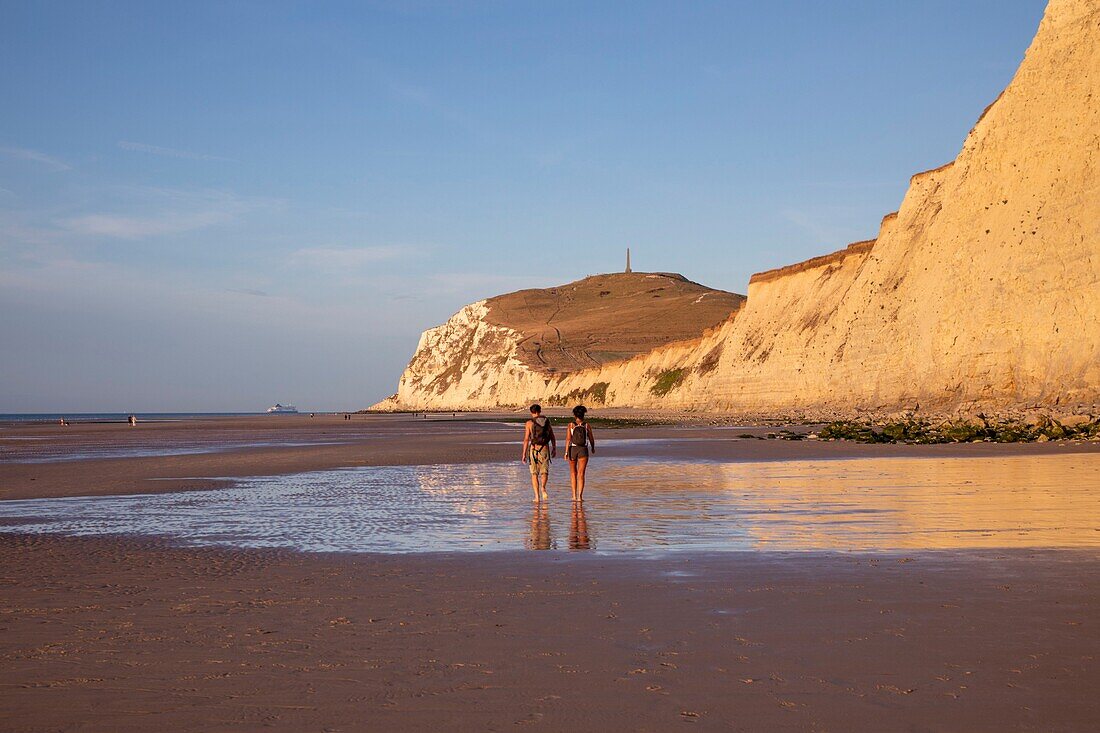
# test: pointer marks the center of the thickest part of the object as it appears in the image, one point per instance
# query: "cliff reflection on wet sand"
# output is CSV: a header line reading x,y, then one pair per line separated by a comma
x,y
910,503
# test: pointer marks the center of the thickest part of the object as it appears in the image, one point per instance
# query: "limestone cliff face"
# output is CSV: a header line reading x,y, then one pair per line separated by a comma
x,y
465,356
982,291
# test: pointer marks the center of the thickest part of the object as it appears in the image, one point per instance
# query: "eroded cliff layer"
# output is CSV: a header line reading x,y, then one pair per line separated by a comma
x,y
982,291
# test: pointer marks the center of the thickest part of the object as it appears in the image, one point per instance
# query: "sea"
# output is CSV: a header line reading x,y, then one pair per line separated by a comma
x,y
108,417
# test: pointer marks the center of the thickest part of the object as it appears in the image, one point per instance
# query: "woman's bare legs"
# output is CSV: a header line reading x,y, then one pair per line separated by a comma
x,y
573,477
579,467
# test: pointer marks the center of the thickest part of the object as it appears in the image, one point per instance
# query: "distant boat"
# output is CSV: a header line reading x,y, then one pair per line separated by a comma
x,y
277,408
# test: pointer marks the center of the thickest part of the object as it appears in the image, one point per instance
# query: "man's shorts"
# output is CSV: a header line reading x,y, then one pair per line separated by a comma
x,y
539,459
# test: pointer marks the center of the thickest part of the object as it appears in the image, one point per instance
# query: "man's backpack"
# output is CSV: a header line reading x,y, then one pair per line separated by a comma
x,y
540,431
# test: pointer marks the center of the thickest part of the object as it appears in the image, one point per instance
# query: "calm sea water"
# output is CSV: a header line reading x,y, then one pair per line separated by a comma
x,y
646,506
85,417
29,450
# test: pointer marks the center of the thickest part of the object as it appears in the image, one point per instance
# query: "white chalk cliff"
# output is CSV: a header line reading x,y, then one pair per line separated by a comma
x,y
981,292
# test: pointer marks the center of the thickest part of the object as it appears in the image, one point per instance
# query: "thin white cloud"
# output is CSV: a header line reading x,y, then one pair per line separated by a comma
x,y
824,224
18,233
68,283
482,284
347,258
161,212
411,93
430,102
35,156
170,152
851,185
135,227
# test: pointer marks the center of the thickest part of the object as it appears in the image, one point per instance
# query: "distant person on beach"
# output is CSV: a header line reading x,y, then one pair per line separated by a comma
x,y
539,446
579,442
132,420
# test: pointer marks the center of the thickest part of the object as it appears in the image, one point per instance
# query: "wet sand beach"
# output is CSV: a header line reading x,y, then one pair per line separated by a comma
x,y
114,634
728,583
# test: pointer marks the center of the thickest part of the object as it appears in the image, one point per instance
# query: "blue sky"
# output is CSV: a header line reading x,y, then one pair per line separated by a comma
x,y
214,206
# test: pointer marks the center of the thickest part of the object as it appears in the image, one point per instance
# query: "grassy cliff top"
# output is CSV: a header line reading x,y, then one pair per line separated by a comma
x,y
605,318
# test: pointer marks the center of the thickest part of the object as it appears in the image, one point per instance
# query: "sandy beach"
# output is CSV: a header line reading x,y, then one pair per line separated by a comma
x,y
113,634
135,633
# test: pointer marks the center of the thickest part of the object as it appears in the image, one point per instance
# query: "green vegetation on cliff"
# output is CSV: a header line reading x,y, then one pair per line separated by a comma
x,y
668,380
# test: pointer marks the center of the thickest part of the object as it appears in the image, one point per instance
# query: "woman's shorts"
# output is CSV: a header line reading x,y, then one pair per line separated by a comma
x,y
578,451
539,459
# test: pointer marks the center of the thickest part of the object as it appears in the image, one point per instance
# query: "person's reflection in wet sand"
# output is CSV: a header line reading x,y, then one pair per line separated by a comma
x,y
578,529
540,538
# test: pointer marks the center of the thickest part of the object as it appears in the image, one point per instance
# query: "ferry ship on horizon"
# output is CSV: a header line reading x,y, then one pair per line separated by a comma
x,y
277,408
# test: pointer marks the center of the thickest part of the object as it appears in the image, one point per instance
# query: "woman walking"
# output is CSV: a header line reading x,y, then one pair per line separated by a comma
x,y
580,442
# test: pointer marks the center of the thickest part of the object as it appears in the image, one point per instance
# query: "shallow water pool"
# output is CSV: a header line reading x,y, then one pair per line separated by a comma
x,y
883,504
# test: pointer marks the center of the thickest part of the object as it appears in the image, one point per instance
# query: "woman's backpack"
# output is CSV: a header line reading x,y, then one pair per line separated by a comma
x,y
578,434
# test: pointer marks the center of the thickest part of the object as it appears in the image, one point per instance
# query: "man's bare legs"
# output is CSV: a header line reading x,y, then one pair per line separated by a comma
x,y
538,485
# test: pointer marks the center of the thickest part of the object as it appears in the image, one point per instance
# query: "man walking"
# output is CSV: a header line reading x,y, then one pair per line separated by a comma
x,y
539,446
